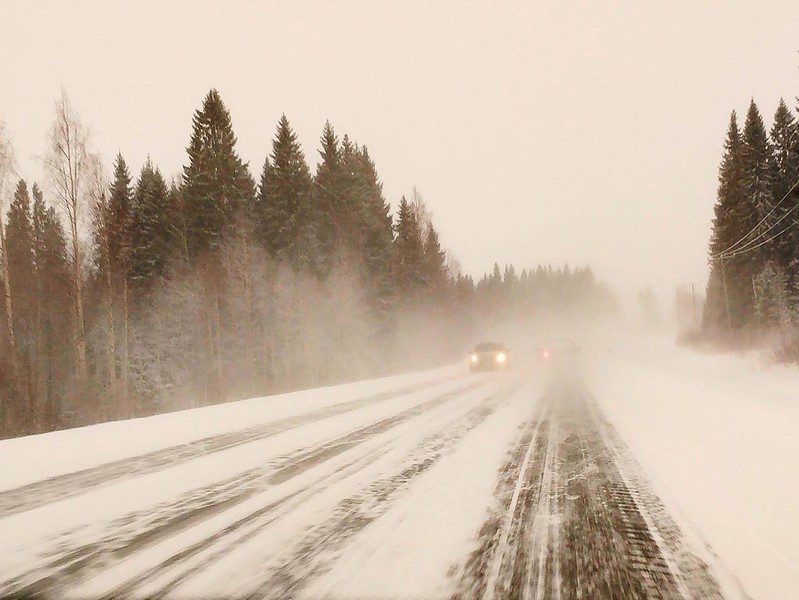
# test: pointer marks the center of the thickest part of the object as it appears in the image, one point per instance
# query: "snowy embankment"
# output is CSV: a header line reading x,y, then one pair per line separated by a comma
x,y
719,438
259,496
37,457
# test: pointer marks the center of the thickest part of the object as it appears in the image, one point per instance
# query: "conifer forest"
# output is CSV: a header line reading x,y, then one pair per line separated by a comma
x,y
399,300
128,294
753,286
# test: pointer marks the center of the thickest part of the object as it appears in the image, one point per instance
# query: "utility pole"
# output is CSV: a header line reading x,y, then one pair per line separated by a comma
x,y
726,294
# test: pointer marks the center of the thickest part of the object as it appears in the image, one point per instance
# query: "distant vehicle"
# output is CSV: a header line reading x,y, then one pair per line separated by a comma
x,y
558,351
488,356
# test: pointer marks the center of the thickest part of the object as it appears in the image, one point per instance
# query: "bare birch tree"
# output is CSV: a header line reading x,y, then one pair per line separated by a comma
x,y
69,166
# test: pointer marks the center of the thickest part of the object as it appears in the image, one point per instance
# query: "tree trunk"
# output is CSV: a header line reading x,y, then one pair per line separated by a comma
x,y
125,340
217,340
111,355
38,367
8,304
249,290
77,284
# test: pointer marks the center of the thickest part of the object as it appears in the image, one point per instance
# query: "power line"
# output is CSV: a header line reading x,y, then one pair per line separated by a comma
x,y
744,251
773,237
763,220
748,245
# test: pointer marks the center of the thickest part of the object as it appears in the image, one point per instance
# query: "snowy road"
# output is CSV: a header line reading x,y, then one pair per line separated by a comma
x,y
437,484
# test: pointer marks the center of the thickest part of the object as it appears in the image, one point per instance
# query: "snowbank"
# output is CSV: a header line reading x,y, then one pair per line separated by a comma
x,y
36,457
719,437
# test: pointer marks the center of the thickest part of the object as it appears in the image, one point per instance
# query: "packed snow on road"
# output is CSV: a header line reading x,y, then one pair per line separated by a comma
x,y
628,470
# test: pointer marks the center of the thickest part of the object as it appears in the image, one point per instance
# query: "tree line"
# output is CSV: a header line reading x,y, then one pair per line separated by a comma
x,y
754,246
131,294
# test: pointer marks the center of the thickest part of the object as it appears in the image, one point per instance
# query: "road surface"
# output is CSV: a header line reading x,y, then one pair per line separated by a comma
x,y
450,485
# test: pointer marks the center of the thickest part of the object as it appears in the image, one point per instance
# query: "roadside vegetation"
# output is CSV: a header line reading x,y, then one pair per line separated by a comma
x,y
752,297
127,294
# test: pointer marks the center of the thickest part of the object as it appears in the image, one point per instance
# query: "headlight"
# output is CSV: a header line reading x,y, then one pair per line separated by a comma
x,y
473,358
502,358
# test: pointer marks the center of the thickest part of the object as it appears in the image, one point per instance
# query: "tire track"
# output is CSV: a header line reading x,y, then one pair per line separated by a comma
x,y
579,519
692,574
317,550
531,445
133,533
38,493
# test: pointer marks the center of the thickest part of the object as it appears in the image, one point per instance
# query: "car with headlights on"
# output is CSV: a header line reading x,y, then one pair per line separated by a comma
x,y
488,356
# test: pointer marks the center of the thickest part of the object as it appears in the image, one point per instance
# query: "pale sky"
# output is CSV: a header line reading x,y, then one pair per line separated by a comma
x,y
537,132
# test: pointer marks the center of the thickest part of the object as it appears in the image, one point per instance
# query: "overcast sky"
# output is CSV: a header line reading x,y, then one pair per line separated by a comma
x,y
537,132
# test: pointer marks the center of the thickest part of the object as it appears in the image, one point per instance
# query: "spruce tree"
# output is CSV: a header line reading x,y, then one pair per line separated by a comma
x,y
408,252
754,207
112,229
22,285
328,192
757,173
351,210
120,198
785,173
217,187
435,262
728,228
53,293
50,246
376,222
286,215
735,214
19,244
179,221
151,236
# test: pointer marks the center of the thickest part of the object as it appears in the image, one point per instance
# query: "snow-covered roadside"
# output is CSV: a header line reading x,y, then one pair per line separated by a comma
x,y
92,515
33,458
718,438
243,562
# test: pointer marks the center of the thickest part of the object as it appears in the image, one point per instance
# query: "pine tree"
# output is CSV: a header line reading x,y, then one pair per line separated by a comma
x,y
20,286
328,193
378,233
496,275
19,243
754,206
785,174
408,252
117,244
179,221
217,187
151,236
732,220
120,199
286,215
771,295
351,210
435,262
53,294
757,173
